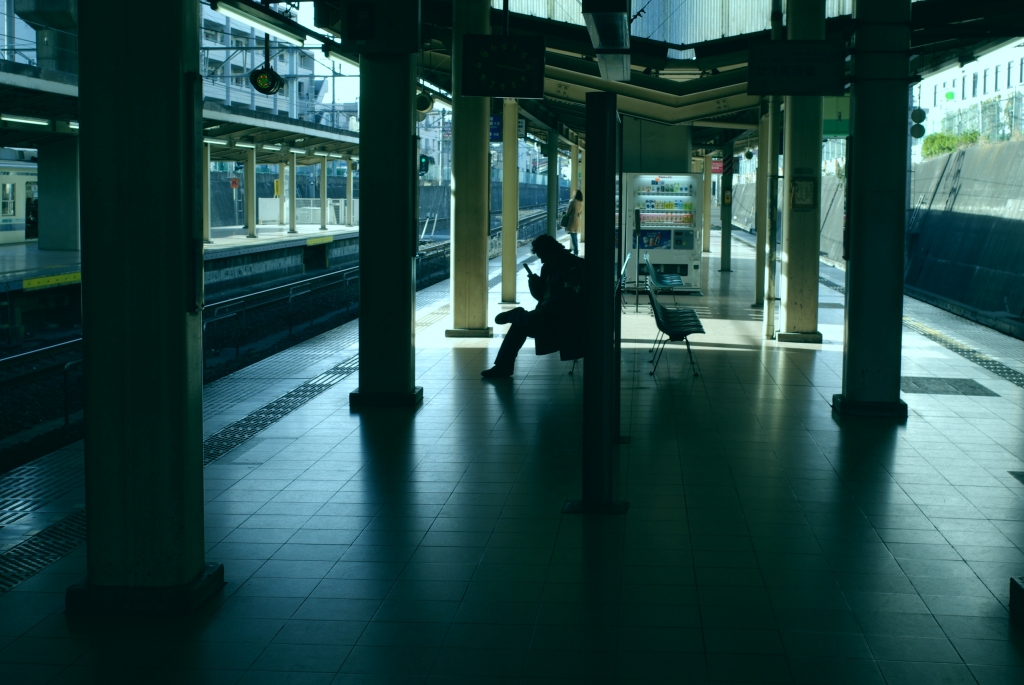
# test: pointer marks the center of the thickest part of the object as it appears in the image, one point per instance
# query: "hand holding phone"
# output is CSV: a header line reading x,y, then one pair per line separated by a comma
x,y
527,267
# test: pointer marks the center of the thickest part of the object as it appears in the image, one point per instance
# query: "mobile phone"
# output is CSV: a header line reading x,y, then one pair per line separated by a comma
x,y
527,267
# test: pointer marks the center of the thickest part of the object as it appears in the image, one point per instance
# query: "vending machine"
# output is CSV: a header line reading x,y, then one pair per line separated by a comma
x,y
664,220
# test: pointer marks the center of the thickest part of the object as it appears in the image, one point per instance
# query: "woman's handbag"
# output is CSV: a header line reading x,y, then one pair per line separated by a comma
x,y
565,220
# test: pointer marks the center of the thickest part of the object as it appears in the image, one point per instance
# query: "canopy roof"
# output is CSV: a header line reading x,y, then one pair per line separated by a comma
x,y
689,57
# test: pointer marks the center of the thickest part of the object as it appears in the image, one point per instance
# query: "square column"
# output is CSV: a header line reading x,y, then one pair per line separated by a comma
x,y
583,187
509,198
728,162
801,214
59,212
470,189
760,207
323,194
350,201
771,199
873,335
552,153
206,193
708,161
281,192
574,169
291,193
143,323
249,192
388,238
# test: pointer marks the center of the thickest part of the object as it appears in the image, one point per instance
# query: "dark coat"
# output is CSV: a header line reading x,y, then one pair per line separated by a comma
x,y
557,321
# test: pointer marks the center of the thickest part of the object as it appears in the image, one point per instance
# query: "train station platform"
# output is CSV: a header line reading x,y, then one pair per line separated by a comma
x,y
23,266
766,540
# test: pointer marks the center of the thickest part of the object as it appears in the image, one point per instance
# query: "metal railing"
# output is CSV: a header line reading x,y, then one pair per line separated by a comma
x,y
39,355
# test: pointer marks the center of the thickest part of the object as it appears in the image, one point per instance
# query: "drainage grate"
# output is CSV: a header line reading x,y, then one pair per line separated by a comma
x,y
230,437
980,358
944,386
7,517
30,557
832,284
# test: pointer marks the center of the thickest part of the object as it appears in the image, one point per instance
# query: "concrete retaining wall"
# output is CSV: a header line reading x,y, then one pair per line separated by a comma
x,y
965,241
831,215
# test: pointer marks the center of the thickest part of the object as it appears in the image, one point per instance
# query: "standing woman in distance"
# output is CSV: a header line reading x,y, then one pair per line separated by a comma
x,y
574,212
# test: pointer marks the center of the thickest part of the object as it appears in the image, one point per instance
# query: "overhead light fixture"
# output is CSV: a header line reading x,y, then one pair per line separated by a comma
x,y
335,155
261,17
247,146
24,120
608,25
73,125
297,150
214,141
320,154
272,148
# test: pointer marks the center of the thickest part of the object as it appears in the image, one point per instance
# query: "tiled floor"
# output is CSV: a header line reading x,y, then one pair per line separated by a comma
x,y
766,541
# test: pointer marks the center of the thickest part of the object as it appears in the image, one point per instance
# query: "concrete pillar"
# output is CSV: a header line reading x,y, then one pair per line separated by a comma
x,y
583,187
226,68
206,193
293,84
282,192
59,209
760,208
10,47
771,257
249,192
350,185
509,198
388,238
728,164
143,325
574,170
708,161
552,153
291,193
801,208
877,193
470,183
323,194
251,63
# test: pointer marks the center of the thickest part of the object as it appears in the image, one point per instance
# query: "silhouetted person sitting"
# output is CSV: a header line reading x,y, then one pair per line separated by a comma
x,y
556,323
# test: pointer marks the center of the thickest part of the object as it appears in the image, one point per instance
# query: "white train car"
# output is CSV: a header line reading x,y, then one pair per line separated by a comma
x,y
19,201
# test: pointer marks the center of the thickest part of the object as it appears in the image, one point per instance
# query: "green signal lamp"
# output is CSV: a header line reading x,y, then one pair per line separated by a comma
x,y
265,80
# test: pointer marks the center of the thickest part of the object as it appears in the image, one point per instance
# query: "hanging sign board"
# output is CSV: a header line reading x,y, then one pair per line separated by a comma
x,y
369,27
495,128
716,166
796,67
503,66
521,128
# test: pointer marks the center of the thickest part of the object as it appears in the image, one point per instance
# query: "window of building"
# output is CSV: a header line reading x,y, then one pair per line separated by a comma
x,y
984,82
1020,72
995,80
306,62
963,88
238,76
1009,69
7,199
211,35
974,86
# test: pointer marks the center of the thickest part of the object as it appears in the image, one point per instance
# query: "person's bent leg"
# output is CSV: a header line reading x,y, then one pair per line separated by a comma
x,y
514,340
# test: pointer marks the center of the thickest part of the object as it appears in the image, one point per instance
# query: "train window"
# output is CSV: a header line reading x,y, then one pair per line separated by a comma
x,y
7,199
